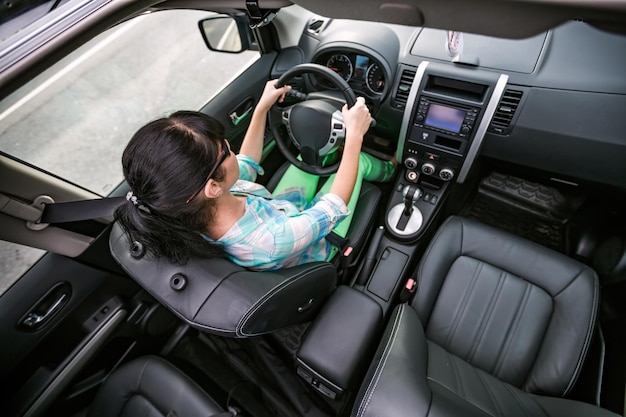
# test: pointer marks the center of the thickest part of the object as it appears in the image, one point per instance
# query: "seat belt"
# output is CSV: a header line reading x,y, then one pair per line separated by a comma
x,y
73,211
43,210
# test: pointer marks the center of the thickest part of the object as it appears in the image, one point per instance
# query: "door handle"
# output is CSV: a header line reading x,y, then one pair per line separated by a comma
x,y
236,119
47,307
242,111
36,319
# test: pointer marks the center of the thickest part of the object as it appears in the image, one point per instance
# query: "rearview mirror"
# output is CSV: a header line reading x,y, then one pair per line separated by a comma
x,y
224,33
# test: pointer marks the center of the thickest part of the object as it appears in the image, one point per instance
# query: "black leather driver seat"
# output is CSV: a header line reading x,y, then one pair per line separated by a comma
x,y
220,297
499,326
151,387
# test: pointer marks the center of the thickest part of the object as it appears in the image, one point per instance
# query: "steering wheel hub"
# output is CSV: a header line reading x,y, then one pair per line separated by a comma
x,y
315,127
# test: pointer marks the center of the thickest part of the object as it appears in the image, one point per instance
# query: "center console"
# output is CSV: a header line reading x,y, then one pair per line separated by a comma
x,y
447,114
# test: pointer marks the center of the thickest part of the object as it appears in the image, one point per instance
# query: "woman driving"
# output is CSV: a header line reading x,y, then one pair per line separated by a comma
x,y
192,196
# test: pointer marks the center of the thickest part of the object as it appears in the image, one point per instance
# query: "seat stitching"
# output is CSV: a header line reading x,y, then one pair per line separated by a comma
x,y
268,296
369,392
430,247
463,305
457,373
489,392
140,374
512,328
574,278
138,391
457,394
515,395
589,335
486,318
146,407
539,405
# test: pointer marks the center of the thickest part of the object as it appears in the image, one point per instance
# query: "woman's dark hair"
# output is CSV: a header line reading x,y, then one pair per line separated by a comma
x,y
164,163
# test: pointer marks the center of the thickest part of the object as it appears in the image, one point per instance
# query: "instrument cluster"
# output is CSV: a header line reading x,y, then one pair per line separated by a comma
x,y
361,72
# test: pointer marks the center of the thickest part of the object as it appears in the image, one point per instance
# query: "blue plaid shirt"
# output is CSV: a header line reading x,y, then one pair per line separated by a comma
x,y
282,230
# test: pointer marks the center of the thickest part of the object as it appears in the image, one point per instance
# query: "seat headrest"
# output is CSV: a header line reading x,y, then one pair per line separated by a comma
x,y
220,297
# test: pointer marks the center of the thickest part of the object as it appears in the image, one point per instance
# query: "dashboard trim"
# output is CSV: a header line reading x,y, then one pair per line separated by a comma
x,y
481,130
482,127
408,110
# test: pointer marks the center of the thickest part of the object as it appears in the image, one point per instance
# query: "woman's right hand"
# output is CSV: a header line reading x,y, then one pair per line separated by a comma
x,y
357,120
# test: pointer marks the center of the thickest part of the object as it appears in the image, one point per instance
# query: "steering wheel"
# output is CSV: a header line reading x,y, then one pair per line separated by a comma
x,y
315,126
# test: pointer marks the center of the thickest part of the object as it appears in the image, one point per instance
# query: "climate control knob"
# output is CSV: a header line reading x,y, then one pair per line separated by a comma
x,y
428,168
446,174
410,163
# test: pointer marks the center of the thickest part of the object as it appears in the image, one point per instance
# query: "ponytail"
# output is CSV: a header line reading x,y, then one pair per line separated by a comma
x,y
164,163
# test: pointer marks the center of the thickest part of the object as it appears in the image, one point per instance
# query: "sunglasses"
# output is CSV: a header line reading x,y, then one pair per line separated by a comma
x,y
225,153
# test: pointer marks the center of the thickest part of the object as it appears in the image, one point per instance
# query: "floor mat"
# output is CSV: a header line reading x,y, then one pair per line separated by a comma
x,y
288,340
216,375
531,210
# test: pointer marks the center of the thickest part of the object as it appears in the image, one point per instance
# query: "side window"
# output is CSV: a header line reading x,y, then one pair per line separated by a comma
x,y
75,119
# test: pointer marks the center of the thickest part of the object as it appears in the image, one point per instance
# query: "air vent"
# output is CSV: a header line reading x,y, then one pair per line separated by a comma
x,y
315,25
501,122
404,87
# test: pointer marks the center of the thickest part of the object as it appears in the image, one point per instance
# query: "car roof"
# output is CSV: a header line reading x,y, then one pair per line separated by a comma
x,y
501,18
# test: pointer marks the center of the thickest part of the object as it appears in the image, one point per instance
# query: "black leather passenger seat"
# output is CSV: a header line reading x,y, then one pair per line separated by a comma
x,y
507,305
499,326
152,387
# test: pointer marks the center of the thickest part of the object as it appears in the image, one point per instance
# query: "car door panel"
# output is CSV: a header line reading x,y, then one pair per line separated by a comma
x,y
75,315
99,324
23,366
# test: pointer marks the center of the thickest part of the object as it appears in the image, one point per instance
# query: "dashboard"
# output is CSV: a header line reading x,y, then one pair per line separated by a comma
x,y
560,112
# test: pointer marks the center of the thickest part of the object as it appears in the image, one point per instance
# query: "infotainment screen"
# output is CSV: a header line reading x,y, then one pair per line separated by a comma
x,y
444,117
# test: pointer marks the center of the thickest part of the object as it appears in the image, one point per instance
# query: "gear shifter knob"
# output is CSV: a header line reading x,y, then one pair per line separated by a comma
x,y
411,194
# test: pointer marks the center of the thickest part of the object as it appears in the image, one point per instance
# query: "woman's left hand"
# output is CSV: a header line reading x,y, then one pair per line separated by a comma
x,y
271,95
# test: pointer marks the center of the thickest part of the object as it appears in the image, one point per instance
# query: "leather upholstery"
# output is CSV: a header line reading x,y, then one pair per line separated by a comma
x,y
495,320
151,387
364,218
336,343
411,376
223,298
510,307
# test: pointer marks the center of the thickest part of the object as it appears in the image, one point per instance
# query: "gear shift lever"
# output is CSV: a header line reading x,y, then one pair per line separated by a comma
x,y
405,218
410,194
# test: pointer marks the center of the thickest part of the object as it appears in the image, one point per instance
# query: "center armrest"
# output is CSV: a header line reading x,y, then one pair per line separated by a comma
x,y
339,341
